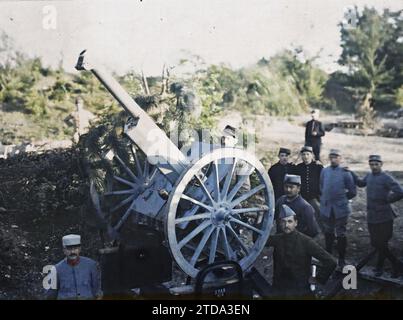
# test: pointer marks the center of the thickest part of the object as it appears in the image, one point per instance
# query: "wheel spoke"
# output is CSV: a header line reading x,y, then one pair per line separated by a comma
x,y
186,197
120,192
247,195
201,245
122,203
236,188
213,246
216,182
146,171
124,181
136,160
124,217
127,169
193,234
229,253
246,225
193,217
228,179
204,189
152,175
241,243
255,209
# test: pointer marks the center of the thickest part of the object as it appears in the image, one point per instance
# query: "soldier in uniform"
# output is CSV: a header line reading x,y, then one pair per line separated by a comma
x,y
337,187
229,139
278,171
313,133
382,190
305,213
81,119
77,277
309,171
292,256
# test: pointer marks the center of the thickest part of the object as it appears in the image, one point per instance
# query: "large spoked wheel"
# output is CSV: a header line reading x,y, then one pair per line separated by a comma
x,y
128,183
128,179
221,208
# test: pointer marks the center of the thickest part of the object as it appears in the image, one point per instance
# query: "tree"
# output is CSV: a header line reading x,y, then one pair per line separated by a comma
x,y
372,55
307,78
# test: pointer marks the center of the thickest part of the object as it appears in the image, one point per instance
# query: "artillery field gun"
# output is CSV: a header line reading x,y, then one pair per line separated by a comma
x,y
198,199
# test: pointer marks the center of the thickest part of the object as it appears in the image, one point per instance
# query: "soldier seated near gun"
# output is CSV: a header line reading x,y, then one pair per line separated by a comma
x,y
292,256
382,190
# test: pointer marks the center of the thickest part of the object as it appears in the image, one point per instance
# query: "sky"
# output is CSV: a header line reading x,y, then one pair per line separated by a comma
x,y
143,35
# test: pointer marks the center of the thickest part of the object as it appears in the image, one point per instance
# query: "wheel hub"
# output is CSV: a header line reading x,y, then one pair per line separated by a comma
x,y
221,215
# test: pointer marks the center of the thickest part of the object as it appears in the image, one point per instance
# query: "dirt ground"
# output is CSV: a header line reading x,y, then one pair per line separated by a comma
x,y
43,197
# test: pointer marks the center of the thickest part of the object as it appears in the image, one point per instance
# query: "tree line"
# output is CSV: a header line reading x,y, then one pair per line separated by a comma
x,y
370,74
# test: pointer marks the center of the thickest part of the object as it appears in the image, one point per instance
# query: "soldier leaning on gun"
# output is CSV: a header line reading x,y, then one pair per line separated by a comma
x,y
337,187
382,190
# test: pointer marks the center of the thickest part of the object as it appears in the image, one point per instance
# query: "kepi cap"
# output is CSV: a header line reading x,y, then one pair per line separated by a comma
x,y
230,131
375,157
71,240
286,211
334,152
306,148
284,150
292,179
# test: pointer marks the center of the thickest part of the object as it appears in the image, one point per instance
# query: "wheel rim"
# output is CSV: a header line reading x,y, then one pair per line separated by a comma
x,y
219,214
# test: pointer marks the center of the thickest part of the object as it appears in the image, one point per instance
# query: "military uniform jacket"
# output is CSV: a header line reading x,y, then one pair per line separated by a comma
x,y
382,190
305,214
337,187
81,281
310,176
292,262
311,126
277,173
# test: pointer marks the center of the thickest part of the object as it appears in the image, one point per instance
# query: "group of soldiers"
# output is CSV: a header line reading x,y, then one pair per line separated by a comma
x,y
309,199
312,199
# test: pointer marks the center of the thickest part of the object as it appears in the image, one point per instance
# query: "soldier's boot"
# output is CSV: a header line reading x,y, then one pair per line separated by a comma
x,y
397,265
341,249
378,270
329,241
397,269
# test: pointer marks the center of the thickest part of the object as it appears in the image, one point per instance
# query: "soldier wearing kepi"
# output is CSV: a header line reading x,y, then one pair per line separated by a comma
x,y
278,171
309,171
313,133
77,277
382,190
337,188
229,139
292,256
304,211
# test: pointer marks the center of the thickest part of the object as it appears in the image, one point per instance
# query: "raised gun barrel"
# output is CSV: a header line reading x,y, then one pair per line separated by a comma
x,y
153,141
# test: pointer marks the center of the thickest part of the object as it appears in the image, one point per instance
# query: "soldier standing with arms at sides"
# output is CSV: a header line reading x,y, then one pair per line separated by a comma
x,y
313,133
309,171
77,277
292,256
305,213
337,187
382,190
278,171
